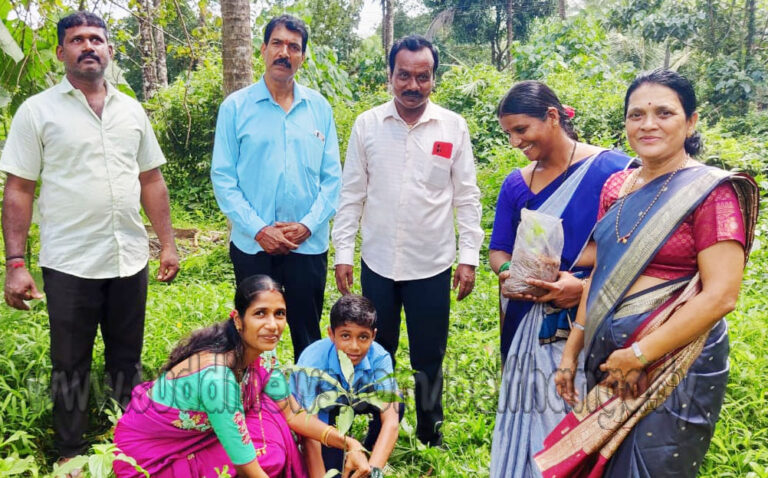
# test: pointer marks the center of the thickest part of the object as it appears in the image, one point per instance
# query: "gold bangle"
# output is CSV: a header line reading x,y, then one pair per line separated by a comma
x,y
324,436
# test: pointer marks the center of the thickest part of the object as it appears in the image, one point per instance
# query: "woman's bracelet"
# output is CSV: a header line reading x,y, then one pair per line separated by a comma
x,y
504,267
577,325
324,436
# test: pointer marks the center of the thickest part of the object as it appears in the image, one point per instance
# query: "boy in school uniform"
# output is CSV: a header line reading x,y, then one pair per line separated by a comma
x,y
352,330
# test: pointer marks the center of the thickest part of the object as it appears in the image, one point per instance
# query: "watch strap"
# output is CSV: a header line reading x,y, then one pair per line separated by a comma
x,y
639,353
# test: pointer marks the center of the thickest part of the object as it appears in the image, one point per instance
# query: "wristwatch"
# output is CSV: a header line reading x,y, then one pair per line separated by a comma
x,y
639,354
376,472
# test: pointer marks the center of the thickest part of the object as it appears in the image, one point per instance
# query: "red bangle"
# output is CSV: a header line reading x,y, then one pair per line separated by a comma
x,y
16,265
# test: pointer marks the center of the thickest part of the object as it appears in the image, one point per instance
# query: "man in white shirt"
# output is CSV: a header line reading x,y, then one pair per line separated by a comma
x,y
409,165
97,159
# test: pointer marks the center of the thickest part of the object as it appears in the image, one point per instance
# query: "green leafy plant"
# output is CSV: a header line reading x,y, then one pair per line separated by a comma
x,y
346,398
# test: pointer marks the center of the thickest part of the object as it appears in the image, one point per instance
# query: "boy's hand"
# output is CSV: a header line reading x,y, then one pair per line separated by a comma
x,y
356,465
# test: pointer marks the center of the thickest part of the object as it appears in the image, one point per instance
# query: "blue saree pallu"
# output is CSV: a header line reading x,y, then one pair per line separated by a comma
x,y
529,407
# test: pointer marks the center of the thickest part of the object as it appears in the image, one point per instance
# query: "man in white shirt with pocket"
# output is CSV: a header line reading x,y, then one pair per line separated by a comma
x,y
409,165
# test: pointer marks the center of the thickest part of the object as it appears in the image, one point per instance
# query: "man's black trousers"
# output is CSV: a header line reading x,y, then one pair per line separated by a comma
x,y
77,307
427,308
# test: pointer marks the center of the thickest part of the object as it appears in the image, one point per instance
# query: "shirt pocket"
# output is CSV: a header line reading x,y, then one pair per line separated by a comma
x,y
313,147
437,172
123,146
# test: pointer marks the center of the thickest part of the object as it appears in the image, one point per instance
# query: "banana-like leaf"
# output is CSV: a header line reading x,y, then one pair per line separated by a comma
x,y
344,421
324,400
346,368
8,45
380,399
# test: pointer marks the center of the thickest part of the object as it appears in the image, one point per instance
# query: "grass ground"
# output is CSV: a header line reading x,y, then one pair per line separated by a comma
x,y
203,293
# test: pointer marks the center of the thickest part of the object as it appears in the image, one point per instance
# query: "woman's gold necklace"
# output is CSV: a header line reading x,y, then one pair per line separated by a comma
x,y
263,449
623,239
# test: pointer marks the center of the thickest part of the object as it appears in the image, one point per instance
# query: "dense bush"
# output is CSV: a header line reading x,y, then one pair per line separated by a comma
x,y
729,150
184,118
475,93
599,105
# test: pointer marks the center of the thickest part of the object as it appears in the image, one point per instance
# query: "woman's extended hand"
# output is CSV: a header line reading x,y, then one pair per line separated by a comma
x,y
564,376
356,463
626,375
509,295
564,293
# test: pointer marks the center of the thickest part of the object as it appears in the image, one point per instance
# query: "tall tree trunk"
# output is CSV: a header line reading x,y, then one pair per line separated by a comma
x,y
667,54
387,25
561,8
237,49
160,65
711,25
510,12
749,39
147,47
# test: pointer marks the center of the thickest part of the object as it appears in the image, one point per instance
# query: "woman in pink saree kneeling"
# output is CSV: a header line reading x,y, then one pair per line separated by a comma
x,y
217,409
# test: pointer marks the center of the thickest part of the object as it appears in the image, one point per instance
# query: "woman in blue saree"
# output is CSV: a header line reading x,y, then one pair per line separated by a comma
x,y
671,248
563,180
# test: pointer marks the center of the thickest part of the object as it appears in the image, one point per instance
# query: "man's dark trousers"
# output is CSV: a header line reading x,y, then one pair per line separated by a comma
x,y
427,309
77,307
303,278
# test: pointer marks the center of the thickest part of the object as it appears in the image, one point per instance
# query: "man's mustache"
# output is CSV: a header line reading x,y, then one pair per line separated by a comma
x,y
413,94
89,54
282,61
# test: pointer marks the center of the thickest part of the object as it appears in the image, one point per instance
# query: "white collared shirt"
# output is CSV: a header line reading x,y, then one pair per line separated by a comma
x,y
406,195
90,225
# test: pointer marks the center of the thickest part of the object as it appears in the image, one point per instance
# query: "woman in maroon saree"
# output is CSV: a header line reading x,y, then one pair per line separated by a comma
x,y
671,247
216,410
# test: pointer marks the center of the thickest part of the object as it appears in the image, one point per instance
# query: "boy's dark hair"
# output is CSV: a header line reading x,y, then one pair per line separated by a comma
x,y
77,19
292,24
413,43
355,309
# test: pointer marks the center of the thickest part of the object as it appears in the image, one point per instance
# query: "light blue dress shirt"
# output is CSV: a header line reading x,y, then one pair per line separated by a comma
x,y
370,373
270,166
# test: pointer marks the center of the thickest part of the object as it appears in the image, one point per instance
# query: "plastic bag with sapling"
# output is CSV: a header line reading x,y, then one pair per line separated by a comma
x,y
538,247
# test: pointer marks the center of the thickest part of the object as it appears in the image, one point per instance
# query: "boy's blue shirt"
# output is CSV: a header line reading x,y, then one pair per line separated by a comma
x,y
322,355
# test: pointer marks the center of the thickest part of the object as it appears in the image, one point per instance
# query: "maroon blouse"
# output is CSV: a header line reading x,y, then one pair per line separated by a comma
x,y
716,219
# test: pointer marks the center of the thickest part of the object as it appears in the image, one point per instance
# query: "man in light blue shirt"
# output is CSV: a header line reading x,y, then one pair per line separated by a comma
x,y
276,175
